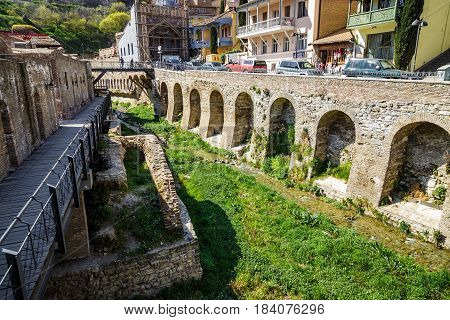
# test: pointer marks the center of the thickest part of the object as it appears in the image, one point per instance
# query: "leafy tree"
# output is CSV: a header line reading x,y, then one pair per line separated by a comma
x,y
118,7
114,22
24,28
222,6
213,42
405,34
43,15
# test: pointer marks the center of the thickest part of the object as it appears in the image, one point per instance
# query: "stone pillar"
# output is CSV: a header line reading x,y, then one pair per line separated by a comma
x,y
77,236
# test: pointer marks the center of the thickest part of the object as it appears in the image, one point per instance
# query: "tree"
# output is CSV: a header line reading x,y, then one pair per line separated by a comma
x,y
405,34
114,22
213,42
222,6
242,15
118,7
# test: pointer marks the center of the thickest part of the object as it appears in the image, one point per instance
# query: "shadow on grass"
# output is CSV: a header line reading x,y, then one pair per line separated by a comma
x,y
219,253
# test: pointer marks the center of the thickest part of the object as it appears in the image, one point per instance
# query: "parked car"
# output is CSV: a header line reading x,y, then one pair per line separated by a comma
x,y
256,66
174,64
193,65
213,66
376,68
297,67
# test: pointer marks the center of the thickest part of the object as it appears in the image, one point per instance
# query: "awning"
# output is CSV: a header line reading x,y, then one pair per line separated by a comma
x,y
340,36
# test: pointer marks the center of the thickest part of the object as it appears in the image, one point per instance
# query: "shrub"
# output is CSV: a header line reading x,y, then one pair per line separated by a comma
x,y
405,227
439,194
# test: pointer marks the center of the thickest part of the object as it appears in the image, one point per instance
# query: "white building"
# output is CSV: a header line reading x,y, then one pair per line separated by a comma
x,y
278,29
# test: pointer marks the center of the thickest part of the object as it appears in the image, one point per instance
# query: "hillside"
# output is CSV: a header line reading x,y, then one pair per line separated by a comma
x,y
75,24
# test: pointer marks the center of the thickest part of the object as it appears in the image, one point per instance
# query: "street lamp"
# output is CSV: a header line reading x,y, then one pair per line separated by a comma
x,y
419,23
296,44
160,54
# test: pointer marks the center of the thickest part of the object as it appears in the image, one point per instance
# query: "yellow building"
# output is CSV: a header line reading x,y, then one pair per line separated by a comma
x,y
372,22
224,24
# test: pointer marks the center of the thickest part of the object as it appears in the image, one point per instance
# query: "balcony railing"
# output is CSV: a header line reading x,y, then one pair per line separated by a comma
x,y
225,41
267,24
372,17
198,44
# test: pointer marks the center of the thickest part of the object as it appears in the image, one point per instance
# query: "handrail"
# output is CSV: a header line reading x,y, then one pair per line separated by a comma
x,y
262,25
24,264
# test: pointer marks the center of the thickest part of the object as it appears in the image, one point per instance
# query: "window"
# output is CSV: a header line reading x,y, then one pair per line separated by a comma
x,y
264,47
380,46
372,65
276,13
274,46
264,16
132,49
67,82
128,48
254,49
287,11
254,19
286,44
302,11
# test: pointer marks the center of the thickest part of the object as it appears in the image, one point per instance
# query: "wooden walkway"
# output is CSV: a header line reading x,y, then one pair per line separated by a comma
x,y
16,189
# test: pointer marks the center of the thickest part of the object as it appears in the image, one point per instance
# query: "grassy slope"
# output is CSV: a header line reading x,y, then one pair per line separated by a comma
x,y
257,244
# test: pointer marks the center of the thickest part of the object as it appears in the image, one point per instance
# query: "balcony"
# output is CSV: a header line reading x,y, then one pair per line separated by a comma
x,y
225,41
372,17
266,27
199,44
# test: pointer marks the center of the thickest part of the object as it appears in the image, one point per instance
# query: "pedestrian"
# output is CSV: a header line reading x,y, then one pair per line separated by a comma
x,y
121,62
131,64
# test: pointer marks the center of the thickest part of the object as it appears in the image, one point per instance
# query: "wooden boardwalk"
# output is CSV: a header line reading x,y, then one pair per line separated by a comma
x,y
16,189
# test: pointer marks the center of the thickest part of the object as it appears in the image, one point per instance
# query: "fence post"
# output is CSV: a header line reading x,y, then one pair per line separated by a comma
x,y
16,277
94,134
91,159
76,199
83,157
58,221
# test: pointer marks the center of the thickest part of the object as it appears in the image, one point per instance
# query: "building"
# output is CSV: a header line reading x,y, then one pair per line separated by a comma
x,y
331,41
200,10
373,24
225,26
28,40
154,24
277,29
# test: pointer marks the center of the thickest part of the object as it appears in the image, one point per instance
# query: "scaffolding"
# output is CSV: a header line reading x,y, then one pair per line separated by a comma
x,y
167,25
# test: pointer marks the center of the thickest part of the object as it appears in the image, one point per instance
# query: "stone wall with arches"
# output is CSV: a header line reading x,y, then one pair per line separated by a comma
x,y
345,119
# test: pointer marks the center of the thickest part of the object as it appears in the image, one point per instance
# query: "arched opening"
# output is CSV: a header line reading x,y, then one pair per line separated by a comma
x,y
8,131
243,119
164,99
335,139
419,163
216,114
195,110
39,115
169,38
177,103
281,127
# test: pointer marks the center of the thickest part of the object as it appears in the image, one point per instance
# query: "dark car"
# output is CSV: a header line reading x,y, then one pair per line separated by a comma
x,y
193,65
213,66
174,64
376,68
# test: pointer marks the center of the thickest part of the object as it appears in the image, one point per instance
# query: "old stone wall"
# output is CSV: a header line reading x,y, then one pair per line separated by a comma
x,y
162,176
368,122
28,111
34,96
143,275
377,108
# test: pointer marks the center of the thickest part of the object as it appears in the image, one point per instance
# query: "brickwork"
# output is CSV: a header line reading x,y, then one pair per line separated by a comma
x,y
162,176
333,16
364,115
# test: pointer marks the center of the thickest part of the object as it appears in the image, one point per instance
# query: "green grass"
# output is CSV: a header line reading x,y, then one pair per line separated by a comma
x,y
143,221
256,244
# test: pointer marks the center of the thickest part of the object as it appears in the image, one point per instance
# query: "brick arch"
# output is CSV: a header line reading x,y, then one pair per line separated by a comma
x,y
335,136
397,145
243,117
216,112
282,117
177,113
194,108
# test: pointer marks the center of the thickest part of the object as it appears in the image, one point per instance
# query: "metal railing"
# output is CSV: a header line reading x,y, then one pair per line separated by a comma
x,y
102,65
260,26
43,215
